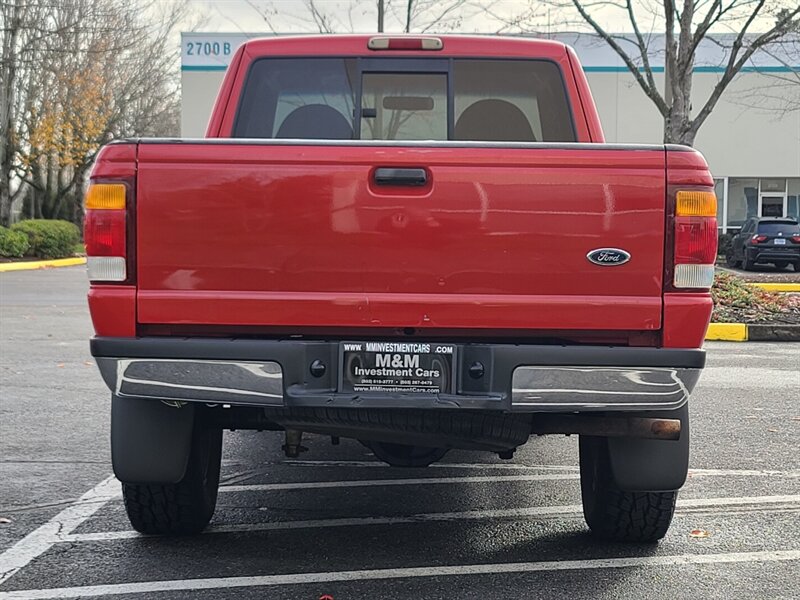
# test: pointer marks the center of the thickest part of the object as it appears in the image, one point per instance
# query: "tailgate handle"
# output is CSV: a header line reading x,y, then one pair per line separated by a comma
x,y
392,176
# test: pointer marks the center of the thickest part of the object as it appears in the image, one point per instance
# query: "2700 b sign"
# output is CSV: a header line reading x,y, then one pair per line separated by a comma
x,y
397,367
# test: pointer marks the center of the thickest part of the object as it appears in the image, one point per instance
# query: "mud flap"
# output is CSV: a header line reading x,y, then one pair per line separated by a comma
x,y
150,441
652,465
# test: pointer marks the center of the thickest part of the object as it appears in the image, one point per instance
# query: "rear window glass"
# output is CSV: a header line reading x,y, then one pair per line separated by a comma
x,y
404,106
298,98
785,228
510,100
487,100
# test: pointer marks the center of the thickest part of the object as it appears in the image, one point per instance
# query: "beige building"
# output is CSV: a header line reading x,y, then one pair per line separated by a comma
x,y
751,140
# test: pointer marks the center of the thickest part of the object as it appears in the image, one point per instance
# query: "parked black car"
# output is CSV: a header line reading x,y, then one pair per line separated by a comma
x,y
766,240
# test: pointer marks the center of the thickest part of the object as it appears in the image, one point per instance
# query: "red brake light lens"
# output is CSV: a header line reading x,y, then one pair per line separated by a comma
x,y
104,232
695,240
757,239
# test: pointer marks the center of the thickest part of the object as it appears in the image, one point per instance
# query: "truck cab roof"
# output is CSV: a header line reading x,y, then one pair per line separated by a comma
x,y
451,45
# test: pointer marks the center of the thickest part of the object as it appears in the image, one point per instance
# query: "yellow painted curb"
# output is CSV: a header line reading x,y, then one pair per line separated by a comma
x,y
777,287
729,332
42,264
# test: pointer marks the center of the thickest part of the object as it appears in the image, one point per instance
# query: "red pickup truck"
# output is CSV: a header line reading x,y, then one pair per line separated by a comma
x,y
421,243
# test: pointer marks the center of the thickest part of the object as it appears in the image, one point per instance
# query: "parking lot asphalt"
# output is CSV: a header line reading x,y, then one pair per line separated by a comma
x,y
764,274
337,522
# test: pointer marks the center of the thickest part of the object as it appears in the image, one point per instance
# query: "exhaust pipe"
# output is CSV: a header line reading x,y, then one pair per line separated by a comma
x,y
632,427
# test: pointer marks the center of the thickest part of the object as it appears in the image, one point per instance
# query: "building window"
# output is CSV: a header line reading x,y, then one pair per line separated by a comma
x,y
772,198
773,185
719,190
793,199
742,200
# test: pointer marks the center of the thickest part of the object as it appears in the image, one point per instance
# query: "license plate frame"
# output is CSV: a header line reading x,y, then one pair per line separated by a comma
x,y
416,360
779,241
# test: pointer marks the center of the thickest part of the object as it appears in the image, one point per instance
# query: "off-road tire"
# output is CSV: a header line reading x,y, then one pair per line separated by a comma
x,y
446,428
185,507
614,514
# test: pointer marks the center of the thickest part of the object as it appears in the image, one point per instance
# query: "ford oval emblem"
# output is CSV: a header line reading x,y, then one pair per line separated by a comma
x,y
608,257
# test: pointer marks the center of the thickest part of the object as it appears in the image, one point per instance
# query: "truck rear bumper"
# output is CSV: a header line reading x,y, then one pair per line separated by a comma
x,y
517,378
775,253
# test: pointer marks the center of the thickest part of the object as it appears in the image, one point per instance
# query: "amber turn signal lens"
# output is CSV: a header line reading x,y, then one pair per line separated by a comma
x,y
105,196
693,203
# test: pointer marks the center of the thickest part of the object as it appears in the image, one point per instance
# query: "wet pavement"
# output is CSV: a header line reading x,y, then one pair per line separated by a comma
x,y
337,522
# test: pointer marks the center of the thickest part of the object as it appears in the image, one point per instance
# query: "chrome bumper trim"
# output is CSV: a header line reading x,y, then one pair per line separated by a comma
x,y
213,381
601,388
533,389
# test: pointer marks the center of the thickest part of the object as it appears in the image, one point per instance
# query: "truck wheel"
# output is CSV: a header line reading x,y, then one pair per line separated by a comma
x,y
185,507
404,455
615,514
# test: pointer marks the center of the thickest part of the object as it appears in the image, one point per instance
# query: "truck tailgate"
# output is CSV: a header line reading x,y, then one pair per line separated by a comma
x,y
273,234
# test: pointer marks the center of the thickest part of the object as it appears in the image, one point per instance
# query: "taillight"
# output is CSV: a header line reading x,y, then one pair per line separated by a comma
x,y
796,239
695,239
104,232
757,239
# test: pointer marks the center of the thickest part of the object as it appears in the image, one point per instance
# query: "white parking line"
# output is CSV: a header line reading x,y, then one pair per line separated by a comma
x,y
516,466
441,465
692,504
149,587
572,474
315,485
536,511
42,539
60,528
745,472
378,464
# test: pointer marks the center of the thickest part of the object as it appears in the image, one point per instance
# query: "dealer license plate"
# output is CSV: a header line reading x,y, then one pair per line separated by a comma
x,y
779,242
397,367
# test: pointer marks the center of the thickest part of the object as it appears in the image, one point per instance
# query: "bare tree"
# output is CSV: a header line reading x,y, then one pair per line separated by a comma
x,y
417,16
754,24
11,14
777,93
422,16
76,74
22,36
312,15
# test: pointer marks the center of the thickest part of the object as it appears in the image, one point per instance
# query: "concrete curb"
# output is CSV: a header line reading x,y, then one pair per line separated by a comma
x,y
727,332
776,287
773,333
42,264
743,332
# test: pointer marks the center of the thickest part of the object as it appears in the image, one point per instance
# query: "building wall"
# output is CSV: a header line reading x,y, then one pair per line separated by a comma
x,y
198,92
738,138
